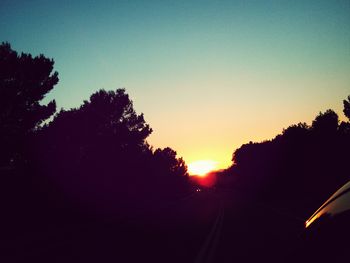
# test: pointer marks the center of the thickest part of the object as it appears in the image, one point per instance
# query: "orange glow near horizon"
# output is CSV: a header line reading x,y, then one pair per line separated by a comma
x,y
201,167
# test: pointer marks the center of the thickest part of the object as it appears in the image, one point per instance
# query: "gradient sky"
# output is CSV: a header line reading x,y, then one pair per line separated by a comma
x,y
208,75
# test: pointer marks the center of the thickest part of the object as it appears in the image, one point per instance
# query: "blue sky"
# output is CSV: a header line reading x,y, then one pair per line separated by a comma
x,y
208,75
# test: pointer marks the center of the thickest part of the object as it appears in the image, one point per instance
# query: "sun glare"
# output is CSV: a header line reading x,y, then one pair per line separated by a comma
x,y
201,167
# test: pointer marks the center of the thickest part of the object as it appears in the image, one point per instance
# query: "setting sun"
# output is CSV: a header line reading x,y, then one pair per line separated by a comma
x,y
201,167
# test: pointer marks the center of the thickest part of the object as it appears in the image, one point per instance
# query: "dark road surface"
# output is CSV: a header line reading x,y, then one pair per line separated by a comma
x,y
201,227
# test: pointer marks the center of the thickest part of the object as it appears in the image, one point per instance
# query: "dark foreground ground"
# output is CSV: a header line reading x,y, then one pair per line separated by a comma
x,y
206,226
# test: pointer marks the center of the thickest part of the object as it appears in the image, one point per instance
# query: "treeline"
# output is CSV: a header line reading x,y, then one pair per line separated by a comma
x,y
96,154
299,168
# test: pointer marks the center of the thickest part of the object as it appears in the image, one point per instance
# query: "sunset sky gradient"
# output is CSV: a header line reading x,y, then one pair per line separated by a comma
x,y
208,75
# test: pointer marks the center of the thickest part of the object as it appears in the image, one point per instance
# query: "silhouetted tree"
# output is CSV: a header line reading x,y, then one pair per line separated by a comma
x,y
105,128
295,132
167,162
344,127
346,110
88,161
301,166
101,148
24,82
326,122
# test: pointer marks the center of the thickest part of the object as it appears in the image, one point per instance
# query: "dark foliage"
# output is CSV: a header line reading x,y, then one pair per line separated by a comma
x,y
99,155
94,157
24,82
167,162
347,107
102,130
299,168
326,123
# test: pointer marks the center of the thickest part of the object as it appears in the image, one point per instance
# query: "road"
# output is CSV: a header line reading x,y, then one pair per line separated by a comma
x,y
201,227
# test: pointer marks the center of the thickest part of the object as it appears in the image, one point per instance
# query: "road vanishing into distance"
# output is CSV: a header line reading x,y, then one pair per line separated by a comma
x,y
201,227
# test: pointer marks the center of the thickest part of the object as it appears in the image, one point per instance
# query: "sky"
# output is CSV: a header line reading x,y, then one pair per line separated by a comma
x,y
208,75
